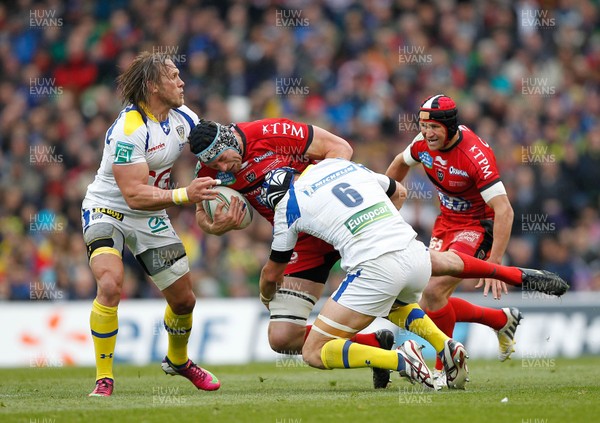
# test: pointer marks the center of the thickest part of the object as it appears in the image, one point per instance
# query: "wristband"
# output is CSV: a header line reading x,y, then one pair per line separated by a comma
x,y
264,299
180,196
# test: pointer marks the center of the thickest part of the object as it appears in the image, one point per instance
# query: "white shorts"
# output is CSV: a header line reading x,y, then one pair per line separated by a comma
x,y
140,233
372,287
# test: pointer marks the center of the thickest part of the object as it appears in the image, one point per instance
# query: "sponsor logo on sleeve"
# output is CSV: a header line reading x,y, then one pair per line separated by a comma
x,y
283,128
482,160
426,159
123,152
227,178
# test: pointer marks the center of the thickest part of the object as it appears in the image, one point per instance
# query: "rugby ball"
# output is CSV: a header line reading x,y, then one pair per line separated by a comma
x,y
225,195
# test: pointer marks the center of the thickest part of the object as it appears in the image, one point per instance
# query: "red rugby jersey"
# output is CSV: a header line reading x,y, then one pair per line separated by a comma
x,y
465,175
267,144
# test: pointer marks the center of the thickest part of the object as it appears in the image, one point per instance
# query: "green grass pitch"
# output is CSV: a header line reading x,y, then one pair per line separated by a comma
x,y
539,391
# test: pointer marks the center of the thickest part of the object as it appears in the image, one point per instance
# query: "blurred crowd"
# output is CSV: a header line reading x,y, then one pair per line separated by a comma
x,y
525,75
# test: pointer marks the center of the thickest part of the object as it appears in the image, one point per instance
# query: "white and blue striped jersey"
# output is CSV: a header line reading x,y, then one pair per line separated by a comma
x,y
346,205
137,138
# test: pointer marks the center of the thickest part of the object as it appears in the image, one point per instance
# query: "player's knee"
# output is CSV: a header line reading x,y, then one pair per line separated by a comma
x,y
286,339
429,298
110,283
183,304
446,263
289,312
437,263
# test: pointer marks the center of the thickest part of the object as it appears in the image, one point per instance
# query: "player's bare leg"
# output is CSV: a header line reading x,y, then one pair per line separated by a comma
x,y
460,265
504,321
108,271
293,303
178,324
290,309
446,311
438,290
328,346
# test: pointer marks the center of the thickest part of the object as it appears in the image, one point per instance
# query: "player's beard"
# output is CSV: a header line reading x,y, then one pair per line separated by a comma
x,y
172,101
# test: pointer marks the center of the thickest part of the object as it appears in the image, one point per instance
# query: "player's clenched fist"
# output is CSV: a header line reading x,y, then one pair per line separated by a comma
x,y
202,189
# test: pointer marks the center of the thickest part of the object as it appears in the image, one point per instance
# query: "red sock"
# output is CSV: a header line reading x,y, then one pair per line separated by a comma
x,y
308,328
365,339
359,338
444,319
475,268
467,312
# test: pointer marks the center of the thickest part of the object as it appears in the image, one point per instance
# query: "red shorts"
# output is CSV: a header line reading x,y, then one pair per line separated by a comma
x,y
473,239
312,259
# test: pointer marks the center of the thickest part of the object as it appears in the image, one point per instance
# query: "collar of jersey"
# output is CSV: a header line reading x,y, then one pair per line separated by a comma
x,y
460,138
306,170
147,112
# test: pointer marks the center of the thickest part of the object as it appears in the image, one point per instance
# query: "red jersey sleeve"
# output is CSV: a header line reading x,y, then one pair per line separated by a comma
x,y
483,169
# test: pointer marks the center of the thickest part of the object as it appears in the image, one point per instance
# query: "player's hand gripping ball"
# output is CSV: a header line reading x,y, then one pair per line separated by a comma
x,y
225,195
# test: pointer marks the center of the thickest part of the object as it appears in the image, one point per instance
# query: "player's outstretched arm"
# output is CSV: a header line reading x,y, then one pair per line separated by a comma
x,y
271,276
132,180
326,145
395,191
398,169
223,220
399,196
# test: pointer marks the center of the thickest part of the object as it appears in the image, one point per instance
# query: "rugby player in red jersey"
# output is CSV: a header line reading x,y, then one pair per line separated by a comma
x,y
475,219
240,155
